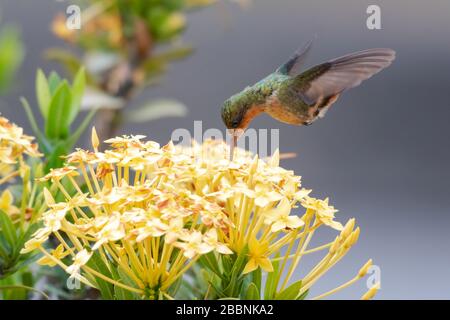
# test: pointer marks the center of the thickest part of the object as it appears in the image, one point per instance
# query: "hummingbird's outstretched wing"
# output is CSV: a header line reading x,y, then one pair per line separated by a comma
x,y
292,66
335,76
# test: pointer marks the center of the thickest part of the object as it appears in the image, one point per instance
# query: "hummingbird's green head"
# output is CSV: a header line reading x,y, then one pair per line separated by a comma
x,y
233,112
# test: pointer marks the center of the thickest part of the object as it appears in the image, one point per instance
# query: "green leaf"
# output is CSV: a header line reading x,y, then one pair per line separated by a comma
x,y
57,124
252,292
8,229
256,278
54,159
120,293
54,81
24,237
235,282
42,93
303,295
40,136
81,128
3,252
106,288
209,261
11,56
271,282
157,109
78,86
291,292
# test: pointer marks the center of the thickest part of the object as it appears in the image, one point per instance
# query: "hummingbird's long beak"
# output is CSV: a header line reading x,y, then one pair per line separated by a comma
x,y
235,134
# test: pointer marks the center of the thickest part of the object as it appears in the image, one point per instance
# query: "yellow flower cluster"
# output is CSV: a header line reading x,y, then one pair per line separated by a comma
x,y
13,145
152,211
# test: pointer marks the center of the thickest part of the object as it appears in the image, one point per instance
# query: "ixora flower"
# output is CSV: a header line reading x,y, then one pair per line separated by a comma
x,y
13,145
138,216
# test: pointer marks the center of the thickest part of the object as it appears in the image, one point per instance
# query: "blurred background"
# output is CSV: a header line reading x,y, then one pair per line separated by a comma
x,y
381,154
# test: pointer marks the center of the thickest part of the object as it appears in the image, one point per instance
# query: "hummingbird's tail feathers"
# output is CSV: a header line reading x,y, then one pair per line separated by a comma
x,y
340,74
292,66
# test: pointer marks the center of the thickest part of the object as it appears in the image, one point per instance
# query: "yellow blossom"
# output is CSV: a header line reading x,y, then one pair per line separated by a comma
x,y
80,259
13,143
257,252
58,254
278,218
211,239
193,244
323,211
152,211
7,203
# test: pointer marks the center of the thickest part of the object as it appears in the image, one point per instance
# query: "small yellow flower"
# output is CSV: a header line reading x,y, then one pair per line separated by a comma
x,y
59,173
323,211
174,230
257,252
13,143
278,218
80,259
111,231
39,237
193,244
264,195
153,228
7,203
58,253
211,238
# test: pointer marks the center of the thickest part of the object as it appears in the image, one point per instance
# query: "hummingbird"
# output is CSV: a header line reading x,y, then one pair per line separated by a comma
x,y
300,98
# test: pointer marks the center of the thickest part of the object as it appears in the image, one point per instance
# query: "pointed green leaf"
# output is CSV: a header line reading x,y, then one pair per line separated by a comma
x,y
54,81
256,278
271,281
24,237
106,288
303,295
209,261
42,93
57,125
78,86
252,292
40,136
81,128
3,252
7,229
120,293
291,292
235,282
54,159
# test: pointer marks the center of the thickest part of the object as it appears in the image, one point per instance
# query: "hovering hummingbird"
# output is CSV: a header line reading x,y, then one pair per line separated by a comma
x,y
300,98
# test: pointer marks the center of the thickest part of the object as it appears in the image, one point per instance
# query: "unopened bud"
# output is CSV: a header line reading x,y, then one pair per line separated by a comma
x,y
348,228
48,197
371,292
365,268
94,139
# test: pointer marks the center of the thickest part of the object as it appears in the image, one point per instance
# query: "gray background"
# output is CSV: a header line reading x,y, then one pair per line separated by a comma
x,y
382,152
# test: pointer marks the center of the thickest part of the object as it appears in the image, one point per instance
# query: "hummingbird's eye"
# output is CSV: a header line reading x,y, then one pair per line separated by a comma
x,y
235,124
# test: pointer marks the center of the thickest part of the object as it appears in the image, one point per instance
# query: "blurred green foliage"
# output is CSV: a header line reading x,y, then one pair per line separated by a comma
x,y
12,53
59,104
127,46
